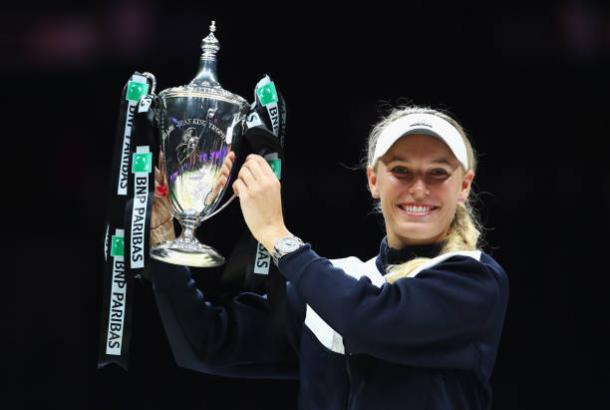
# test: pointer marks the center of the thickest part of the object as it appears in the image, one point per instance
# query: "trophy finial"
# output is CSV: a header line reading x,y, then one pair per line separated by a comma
x,y
210,45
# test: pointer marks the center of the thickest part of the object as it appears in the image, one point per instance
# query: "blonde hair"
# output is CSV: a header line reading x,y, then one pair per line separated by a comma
x,y
465,229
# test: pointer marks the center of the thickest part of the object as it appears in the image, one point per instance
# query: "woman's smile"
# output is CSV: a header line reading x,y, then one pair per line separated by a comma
x,y
417,210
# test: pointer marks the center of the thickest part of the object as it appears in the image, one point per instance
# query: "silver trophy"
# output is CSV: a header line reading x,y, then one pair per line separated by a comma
x,y
198,125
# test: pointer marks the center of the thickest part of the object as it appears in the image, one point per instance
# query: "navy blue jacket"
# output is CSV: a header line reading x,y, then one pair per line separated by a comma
x,y
353,341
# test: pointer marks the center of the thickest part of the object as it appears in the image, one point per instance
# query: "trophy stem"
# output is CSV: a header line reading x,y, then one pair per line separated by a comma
x,y
187,250
188,230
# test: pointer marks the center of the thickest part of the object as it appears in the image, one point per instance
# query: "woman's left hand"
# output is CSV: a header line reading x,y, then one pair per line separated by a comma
x,y
258,190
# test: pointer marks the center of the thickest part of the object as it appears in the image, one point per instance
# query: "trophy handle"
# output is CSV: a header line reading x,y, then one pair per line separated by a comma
x,y
220,208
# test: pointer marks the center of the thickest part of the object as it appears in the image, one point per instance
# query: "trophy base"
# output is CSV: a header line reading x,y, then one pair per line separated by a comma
x,y
178,252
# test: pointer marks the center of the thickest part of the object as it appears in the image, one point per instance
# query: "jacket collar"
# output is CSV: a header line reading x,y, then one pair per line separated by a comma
x,y
390,256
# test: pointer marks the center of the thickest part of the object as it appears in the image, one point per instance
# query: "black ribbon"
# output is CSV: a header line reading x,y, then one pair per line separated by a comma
x,y
133,136
250,267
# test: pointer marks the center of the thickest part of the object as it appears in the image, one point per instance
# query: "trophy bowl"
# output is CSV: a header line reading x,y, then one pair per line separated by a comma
x,y
198,123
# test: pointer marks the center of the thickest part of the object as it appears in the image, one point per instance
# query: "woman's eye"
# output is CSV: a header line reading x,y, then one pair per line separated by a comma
x,y
439,173
400,170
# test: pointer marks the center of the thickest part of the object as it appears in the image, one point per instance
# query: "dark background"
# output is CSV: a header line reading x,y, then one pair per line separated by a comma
x,y
528,81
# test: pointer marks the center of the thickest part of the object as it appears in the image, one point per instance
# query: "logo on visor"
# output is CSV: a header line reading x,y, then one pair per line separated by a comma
x,y
424,124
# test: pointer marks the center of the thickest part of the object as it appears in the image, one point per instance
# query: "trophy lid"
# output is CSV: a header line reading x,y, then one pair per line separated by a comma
x,y
207,75
205,83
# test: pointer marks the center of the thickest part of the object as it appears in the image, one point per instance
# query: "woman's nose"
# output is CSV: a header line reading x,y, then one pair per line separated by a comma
x,y
418,188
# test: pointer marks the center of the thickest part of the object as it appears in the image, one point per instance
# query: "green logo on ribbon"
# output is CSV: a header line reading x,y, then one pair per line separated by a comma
x,y
118,246
267,94
276,166
135,91
142,162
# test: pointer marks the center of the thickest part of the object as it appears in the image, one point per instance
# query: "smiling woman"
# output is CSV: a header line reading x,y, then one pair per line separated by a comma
x,y
422,186
415,327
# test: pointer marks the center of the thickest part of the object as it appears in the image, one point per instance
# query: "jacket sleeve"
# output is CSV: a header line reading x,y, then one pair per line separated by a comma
x,y
238,339
430,320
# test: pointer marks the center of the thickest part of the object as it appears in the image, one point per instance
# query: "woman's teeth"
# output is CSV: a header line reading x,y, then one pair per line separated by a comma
x,y
417,210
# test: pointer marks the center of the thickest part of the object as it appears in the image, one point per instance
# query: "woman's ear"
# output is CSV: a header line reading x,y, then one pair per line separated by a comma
x,y
466,184
372,178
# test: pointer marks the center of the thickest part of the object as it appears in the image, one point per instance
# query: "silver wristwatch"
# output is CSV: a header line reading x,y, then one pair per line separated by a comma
x,y
284,246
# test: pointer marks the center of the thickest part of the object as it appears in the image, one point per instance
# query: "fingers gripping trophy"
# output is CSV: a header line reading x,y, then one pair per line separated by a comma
x,y
199,125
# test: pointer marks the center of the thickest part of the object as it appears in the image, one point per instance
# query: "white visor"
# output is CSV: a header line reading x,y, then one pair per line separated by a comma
x,y
426,124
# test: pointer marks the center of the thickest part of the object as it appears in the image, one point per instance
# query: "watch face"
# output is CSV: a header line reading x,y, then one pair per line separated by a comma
x,y
289,245
284,246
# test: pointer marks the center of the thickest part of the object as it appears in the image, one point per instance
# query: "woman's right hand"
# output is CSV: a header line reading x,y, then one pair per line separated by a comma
x,y
161,219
